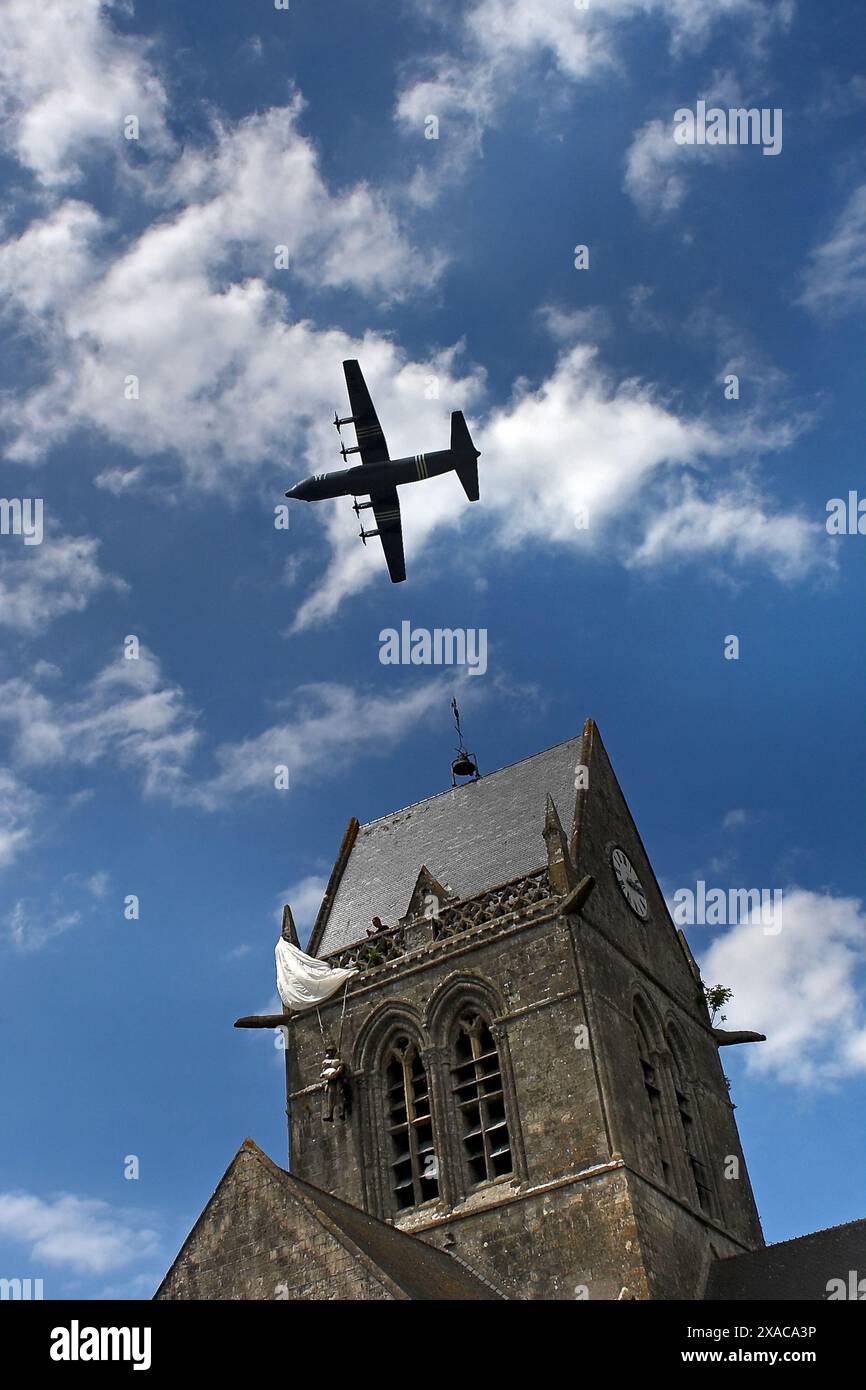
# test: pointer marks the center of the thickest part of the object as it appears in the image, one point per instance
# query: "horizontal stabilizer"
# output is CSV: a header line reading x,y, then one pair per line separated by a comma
x,y
466,455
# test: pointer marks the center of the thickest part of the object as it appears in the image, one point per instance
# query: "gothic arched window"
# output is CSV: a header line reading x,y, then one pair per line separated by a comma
x,y
414,1168
480,1099
653,1088
688,1131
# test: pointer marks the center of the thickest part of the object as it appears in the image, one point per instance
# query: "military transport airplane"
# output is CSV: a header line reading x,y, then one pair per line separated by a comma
x,y
378,476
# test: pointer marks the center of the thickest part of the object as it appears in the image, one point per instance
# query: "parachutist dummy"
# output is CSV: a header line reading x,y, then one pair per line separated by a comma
x,y
333,1074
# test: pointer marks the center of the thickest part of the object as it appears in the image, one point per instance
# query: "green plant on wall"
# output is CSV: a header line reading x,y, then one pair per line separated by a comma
x,y
717,997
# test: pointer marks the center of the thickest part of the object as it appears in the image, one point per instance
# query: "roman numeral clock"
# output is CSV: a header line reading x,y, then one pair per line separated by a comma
x,y
629,884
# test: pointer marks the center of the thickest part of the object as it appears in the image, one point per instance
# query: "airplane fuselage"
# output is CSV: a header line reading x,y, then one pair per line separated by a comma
x,y
368,478
378,477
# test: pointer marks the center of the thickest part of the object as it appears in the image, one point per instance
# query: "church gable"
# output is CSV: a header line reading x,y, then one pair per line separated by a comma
x,y
626,903
253,1241
266,1234
428,898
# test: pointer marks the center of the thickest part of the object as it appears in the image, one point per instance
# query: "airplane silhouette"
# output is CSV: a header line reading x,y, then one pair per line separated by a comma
x,y
378,476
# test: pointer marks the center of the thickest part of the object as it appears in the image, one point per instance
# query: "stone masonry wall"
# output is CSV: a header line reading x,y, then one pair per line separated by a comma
x,y
250,1241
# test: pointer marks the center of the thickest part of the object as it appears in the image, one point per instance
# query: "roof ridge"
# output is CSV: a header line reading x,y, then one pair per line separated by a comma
x,y
822,1230
446,791
794,1240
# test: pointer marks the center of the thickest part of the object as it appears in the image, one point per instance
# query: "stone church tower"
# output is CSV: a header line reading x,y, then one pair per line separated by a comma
x,y
533,1087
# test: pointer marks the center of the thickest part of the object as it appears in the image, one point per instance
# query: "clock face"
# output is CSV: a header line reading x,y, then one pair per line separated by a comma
x,y
630,885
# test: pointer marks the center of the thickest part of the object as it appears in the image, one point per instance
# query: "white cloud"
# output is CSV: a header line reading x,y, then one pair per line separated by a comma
x,y
642,313
504,45
40,583
305,899
238,952
18,810
331,726
191,308
462,96
126,713
736,525
130,715
656,165
581,439
29,925
194,309
582,42
32,923
97,884
67,82
574,325
52,260
736,819
835,281
800,987
259,186
119,480
579,42
78,1233
229,356
46,670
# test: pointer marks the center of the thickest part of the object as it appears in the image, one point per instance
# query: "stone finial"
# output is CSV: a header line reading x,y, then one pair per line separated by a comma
x,y
288,931
559,865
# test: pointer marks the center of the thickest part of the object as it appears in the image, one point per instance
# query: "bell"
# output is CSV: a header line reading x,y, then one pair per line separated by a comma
x,y
464,766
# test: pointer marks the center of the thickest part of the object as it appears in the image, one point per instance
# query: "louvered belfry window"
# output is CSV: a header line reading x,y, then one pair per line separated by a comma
x,y
414,1168
653,1090
480,1099
689,1136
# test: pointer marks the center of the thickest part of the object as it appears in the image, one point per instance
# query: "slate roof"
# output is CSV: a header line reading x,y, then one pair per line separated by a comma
x,y
471,838
793,1270
410,1266
419,1269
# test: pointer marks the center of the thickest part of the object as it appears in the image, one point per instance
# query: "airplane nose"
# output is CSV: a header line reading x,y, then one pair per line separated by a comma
x,y
295,491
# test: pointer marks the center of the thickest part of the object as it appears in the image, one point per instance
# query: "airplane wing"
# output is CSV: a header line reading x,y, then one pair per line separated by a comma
x,y
386,510
371,440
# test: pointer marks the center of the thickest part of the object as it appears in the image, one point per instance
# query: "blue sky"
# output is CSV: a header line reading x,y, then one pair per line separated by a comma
x,y
447,267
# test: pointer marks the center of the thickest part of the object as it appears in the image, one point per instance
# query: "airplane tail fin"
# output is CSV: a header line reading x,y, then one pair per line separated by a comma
x,y
466,465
